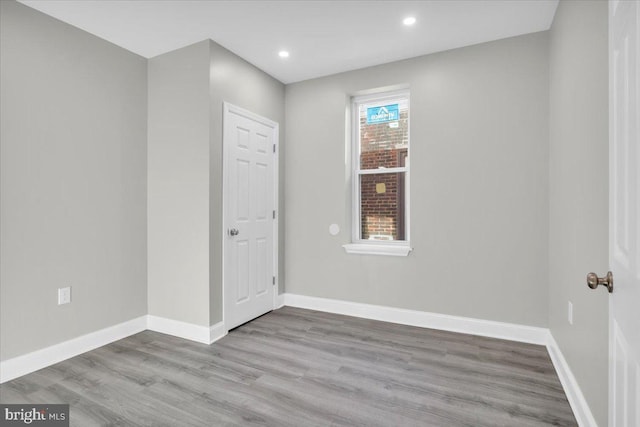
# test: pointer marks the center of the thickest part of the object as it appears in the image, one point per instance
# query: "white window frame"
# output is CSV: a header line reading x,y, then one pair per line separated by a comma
x,y
375,247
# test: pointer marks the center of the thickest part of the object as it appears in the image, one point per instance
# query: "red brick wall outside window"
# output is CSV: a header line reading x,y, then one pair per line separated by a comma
x,y
382,195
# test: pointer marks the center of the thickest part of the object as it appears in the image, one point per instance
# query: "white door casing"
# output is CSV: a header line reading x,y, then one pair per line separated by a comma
x,y
624,213
250,171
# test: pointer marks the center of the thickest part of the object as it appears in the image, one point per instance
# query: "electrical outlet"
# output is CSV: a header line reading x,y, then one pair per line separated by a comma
x,y
64,295
570,313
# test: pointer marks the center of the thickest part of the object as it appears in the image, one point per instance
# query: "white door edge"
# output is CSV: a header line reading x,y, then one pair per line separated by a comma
x,y
624,213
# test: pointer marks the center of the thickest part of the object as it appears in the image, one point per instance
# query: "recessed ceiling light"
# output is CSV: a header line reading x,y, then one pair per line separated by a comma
x,y
409,20
283,54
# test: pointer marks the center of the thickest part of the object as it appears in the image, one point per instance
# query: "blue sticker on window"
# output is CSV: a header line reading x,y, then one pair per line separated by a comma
x,y
382,114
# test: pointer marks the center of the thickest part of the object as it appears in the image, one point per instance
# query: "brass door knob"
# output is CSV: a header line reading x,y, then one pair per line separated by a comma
x,y
593,281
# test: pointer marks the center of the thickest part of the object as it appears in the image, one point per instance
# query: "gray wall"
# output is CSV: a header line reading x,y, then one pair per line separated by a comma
x,y
187,88
73,182
236,81
178,185
486,186
578,171
479,185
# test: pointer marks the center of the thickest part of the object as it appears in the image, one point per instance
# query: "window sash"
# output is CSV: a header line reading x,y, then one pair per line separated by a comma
x,y
382,171
357,171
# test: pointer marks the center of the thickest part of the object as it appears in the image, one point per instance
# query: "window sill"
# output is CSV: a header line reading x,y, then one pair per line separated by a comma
x,y
377,249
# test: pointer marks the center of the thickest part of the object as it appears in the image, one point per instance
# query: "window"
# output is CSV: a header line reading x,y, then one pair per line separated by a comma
x,y
380,153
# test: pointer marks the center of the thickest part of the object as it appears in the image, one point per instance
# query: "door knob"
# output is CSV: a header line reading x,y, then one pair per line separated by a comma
x,y
234,232
593,281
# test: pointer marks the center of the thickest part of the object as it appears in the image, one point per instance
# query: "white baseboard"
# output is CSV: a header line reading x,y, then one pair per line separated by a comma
x,y
185,330
486,328
179,329
31,362
216,332
578,403
279,302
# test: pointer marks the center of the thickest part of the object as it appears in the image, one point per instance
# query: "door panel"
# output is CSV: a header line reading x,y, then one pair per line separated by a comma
x,y
261,265
241,248
624,215
242,190
261,197
249,200
262,141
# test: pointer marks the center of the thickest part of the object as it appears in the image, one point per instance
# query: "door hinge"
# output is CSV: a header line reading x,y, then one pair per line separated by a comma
x,y
274,214
274,148
274,280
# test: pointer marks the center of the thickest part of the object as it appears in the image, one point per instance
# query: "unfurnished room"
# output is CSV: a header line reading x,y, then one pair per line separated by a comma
x,y
320,213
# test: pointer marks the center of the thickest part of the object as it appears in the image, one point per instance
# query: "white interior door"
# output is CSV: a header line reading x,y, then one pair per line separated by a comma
x,y
624,214
250,170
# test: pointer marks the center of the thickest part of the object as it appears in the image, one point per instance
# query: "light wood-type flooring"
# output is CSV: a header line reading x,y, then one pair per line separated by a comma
x,y
295,367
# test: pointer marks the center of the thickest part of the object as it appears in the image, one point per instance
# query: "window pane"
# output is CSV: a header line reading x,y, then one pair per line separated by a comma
x,y
384,134
382,205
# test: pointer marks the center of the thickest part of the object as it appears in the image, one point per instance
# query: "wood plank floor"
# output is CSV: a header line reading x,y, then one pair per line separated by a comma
x,y
295,367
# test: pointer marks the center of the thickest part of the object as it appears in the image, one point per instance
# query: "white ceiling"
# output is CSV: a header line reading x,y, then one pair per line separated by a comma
x,y
324,37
